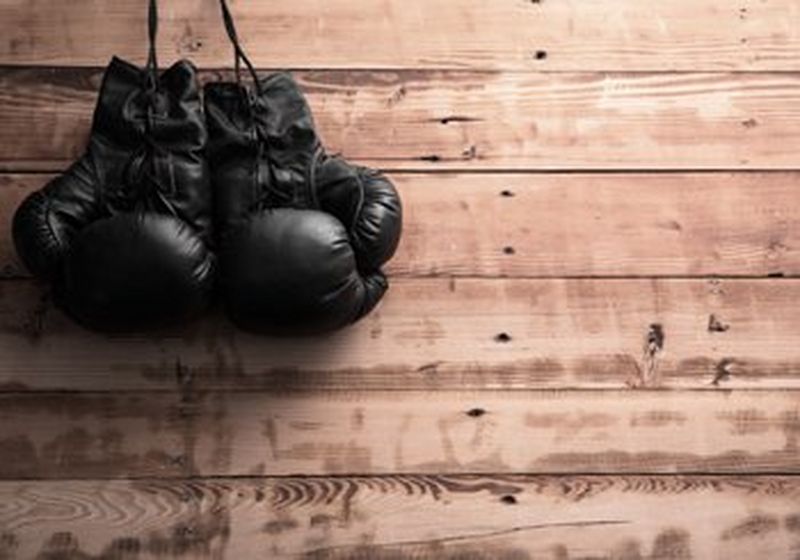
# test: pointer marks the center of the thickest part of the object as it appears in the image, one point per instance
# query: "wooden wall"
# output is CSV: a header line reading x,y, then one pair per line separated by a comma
x,y
590,348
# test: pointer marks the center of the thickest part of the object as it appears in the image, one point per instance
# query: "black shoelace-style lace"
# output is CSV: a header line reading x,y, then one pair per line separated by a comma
x,y
264,188
142,183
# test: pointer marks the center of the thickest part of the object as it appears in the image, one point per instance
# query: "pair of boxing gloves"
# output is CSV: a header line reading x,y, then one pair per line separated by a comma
x,y
180,197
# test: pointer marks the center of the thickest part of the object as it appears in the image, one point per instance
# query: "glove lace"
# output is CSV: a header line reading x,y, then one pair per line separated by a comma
x,y
141,183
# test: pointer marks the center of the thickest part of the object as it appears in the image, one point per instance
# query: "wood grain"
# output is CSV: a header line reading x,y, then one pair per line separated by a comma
x,y
475,120
567,225
546,35
454,517
369,432
441,334
529,328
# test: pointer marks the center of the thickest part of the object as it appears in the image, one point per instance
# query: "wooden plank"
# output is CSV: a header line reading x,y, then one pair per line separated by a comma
x,y
475,120
362,432
543,225
13,190
519,517
612,34
441,334
81,435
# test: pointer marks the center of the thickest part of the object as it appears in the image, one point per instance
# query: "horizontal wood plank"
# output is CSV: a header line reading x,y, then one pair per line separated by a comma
x,y
441,334
362,432
474,120
543,225
521,34
404,517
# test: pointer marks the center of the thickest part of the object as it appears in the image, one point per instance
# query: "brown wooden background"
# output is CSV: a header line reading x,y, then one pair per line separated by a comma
x,y
591,346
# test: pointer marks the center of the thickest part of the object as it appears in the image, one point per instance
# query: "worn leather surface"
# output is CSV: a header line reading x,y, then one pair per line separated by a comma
x,y
303,234
123,234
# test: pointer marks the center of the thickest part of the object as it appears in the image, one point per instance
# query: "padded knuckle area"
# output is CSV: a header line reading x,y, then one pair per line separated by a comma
x,y
137,269
306,239
290,266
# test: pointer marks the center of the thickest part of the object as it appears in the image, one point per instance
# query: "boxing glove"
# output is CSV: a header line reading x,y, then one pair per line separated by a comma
x,y
303,235
123,235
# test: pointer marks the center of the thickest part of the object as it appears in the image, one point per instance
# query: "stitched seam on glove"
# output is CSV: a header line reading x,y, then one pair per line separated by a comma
x,y
57,241
311,182
362,195
353,231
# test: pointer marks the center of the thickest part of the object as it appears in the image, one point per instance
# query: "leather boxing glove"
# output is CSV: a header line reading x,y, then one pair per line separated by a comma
x,y
303,235
123,234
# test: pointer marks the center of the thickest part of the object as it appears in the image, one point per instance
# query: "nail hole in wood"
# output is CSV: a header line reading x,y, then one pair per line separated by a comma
x,y
507,193
503,338
723,371
432,158
475,412
470,153
715,325
508,499
655,337
509,250
540,55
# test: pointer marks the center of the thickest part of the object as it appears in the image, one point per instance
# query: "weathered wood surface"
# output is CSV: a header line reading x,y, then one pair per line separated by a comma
x,y
475,120
317,432
454,517
442,334
521,34
544,225
485,356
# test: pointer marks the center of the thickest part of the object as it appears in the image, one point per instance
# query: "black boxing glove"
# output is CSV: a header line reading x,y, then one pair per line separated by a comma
x,y
363,199
123,234
293,271
303,235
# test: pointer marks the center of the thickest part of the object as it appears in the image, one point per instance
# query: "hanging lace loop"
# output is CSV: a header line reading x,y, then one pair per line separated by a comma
x,y
263,194
151,70
142,184
238,51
